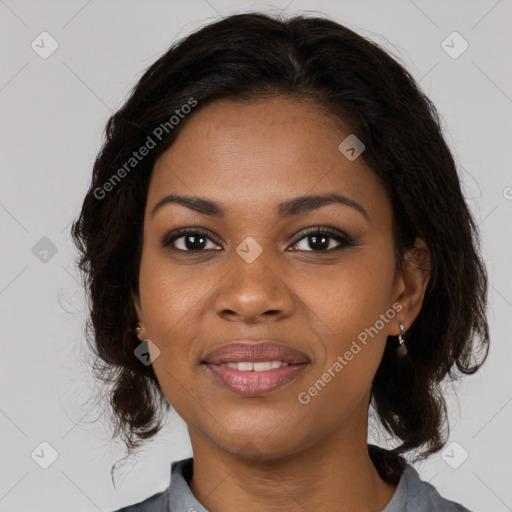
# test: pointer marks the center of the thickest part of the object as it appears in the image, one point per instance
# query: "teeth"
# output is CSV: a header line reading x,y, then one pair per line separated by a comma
x,y
257,367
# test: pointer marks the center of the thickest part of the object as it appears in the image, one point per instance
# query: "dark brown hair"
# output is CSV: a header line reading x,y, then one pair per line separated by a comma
x,y
248,56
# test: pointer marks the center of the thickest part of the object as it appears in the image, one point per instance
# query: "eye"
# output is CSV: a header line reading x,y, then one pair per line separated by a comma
x,y
188,239
320,240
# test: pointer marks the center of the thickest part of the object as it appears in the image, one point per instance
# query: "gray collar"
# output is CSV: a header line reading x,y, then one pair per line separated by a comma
x,y
411,494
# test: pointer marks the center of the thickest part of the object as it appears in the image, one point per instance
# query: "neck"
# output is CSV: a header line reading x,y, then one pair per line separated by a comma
x,y
336,474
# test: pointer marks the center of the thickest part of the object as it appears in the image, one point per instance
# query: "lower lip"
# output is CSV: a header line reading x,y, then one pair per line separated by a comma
x,y
252,383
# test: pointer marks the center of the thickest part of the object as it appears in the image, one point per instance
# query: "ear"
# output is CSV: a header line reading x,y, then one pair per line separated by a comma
x,y
138,308
410,285
140,317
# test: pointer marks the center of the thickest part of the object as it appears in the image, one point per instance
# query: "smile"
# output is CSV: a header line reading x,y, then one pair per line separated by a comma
x,y
255,379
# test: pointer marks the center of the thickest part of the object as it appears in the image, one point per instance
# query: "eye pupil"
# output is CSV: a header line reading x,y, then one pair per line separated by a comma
x,y
197,244
319,242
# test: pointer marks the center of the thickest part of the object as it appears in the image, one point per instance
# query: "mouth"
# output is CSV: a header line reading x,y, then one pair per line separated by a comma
x,y
252,382
254,370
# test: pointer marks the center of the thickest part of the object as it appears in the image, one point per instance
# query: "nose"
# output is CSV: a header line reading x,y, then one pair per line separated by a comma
x,y
254,292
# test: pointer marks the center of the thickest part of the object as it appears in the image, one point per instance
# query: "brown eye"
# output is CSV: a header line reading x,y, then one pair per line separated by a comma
x,y
188,240
320,240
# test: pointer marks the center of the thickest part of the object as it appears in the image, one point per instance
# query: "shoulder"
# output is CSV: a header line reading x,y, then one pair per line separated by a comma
x,y
412,493
174,497
155,503
419,496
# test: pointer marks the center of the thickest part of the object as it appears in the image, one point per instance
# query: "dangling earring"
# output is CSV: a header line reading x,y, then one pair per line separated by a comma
x,y
401,350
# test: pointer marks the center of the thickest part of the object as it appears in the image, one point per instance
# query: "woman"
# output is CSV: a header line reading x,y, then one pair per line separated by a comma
x,y
275,239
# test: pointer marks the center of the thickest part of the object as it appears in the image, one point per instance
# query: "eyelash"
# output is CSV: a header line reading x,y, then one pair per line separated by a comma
x,y
345,241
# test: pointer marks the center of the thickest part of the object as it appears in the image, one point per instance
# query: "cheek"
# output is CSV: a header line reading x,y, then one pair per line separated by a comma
x,y
170,296
350,315
171,308
351,296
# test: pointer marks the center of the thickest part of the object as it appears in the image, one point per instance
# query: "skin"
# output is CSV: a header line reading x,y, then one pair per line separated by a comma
x,y
272,452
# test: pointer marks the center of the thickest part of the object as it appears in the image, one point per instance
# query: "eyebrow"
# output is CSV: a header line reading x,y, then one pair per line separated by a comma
x,y
289,208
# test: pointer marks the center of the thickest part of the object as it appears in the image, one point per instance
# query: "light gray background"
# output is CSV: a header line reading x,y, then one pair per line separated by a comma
x,y
52,115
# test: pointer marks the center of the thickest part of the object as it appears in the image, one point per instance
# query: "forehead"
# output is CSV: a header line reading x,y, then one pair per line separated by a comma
x,y
245,153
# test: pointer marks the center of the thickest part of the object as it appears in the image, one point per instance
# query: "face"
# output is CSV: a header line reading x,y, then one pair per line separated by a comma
x,y
261,272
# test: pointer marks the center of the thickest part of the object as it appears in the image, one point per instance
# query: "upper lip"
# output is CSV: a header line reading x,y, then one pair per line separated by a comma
x,y
251,352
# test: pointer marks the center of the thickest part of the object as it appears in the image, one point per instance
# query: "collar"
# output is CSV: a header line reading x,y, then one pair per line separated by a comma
x,y
181,497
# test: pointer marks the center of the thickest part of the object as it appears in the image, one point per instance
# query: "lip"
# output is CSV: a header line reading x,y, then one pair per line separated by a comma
x,y
255,383
251,352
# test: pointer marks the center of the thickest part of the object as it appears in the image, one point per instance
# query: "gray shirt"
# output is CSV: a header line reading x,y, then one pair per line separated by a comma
x,y
412,494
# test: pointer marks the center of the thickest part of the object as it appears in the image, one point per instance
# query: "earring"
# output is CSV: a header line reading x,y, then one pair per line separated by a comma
x,y
401,350
138,329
